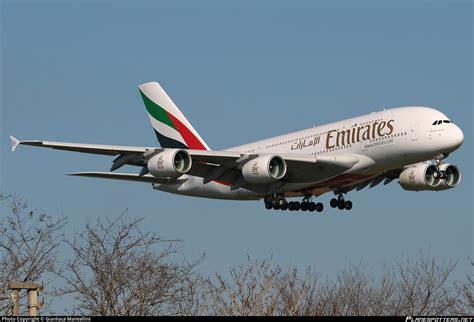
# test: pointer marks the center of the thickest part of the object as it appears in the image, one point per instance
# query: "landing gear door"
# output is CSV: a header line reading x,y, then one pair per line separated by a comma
x,y
414,132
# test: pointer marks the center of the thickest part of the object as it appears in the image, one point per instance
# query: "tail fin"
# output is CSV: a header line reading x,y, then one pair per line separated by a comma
x,y
171,127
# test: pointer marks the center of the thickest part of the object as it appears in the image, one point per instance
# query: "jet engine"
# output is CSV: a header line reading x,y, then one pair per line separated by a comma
x,y
426,177
264,169
420,177
451,178
169,163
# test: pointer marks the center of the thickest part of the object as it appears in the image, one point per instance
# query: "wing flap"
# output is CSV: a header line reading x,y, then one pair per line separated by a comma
x,y
224,158
313,169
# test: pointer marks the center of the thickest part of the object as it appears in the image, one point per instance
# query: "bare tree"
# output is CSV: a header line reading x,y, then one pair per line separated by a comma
x,y
29,241
417,287
465,301
408,288
422,287
261,288
119,270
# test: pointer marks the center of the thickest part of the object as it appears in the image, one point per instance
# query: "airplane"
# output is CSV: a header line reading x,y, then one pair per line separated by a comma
x,y
404,143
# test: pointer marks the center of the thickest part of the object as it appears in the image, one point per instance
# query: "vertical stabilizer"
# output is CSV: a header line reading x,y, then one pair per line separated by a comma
x,y
172,129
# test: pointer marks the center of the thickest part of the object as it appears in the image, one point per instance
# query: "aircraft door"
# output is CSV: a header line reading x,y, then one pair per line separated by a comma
x,y
414,132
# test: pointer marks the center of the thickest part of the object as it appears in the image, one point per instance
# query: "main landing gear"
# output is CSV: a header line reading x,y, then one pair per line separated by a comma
x,y
279,202
340,203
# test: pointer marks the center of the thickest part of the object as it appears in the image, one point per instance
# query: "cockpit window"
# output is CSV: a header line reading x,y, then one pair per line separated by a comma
x,y
437,122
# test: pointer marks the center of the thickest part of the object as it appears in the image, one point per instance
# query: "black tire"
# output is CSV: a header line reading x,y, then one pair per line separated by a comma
x,y
333,203
304,206
319,207
291,206
268,205
311,206
297,205
341,204
348,205
276,207
284,205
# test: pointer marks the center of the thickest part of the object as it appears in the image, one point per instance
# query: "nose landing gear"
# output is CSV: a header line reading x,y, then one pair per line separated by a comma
x,y
438,162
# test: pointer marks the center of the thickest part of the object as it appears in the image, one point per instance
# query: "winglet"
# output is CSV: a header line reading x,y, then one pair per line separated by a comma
x,y
15,142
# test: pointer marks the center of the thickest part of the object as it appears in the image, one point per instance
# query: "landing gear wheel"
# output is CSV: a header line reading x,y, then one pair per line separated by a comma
x,y
348,205
341,204
304,206
439,174
438,162
276,201
333,203
311,206
442,174
297,205
291,206
275,204
319,207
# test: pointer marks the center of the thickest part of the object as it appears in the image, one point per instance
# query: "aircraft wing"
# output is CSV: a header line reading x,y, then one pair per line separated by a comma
x,y
210,165
124,176
81,147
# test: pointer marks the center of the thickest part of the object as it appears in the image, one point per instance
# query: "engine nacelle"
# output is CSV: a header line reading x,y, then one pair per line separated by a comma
x,y
169,163
420,177
452,177
264,169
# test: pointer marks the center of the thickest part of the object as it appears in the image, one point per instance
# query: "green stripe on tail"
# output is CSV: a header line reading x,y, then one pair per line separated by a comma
x,y
156,111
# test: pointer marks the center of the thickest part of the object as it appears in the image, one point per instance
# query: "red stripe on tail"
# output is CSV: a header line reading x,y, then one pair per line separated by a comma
x,y
191,140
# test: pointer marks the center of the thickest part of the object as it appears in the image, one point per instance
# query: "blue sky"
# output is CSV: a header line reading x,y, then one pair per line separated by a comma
x,y
239,71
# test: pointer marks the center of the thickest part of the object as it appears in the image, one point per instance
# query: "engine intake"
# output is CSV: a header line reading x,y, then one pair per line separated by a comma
x,y
452,177
264,169
170,163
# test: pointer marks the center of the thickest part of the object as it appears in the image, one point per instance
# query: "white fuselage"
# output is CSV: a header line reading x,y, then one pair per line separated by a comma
x,y
385,140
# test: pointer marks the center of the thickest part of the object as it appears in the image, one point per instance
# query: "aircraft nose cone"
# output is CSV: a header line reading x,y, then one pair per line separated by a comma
x,y
457,137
